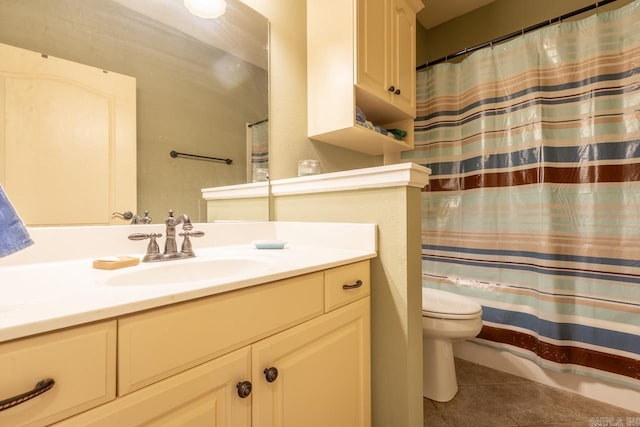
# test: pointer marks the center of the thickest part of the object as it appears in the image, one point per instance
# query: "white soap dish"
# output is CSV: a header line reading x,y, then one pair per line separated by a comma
x,y
269,244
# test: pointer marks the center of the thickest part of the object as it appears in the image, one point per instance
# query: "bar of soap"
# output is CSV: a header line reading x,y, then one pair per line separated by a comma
x,y
115,262
269,244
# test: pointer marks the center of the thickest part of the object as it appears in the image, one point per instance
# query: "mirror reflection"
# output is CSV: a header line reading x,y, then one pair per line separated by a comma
x,y
200,88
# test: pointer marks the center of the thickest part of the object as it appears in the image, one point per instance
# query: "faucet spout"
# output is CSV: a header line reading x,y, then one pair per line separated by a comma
x,y
170,246
185,221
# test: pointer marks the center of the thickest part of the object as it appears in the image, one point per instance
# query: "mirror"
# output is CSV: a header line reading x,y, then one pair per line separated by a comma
x,y
200,85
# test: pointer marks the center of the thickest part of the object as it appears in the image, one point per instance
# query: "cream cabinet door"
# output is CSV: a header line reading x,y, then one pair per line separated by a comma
x,y
67,139
323,372
403,56
373,47
205,396
386,51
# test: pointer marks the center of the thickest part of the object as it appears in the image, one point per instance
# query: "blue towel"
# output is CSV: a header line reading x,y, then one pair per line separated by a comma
x,y
13,233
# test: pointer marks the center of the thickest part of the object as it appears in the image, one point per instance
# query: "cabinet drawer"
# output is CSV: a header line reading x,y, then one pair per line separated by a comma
x,y
341,284
81,361
160,343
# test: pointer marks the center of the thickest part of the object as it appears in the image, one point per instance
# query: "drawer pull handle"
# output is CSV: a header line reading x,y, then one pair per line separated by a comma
x,y
244,389
356,285
41,387
271,374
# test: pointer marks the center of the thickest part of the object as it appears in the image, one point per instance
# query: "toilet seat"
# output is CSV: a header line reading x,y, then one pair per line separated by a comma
x,y
445,305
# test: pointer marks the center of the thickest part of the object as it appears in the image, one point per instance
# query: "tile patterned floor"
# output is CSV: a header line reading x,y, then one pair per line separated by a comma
x,y
491,398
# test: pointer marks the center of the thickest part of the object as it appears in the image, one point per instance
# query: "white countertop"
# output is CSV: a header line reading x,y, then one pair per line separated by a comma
x,y
38,297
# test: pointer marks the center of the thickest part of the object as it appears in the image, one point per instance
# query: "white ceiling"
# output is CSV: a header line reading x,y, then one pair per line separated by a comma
x,y
436,12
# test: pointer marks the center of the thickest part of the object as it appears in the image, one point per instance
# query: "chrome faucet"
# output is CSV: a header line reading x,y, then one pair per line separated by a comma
x,y
170,246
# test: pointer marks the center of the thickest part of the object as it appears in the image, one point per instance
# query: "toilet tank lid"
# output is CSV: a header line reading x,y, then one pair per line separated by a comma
x,y
437,301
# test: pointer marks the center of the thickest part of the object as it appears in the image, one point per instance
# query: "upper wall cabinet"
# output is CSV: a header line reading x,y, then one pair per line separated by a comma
x,y
386,59
361,53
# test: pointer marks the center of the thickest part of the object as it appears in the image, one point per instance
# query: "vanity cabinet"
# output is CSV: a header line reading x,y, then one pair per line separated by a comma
x,y
361,53
288,353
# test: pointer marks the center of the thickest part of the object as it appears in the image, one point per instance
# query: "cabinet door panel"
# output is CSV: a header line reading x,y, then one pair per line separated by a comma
x,y
373,40
204,396
323,372
403,61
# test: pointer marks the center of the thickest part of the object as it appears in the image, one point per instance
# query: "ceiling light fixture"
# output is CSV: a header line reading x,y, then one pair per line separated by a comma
x,y
208,9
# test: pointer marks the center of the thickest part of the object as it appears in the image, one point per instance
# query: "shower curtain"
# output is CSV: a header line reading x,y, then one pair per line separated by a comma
x,y
533,208
258,150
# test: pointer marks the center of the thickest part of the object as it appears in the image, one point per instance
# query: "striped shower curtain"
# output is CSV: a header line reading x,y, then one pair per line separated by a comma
x,y
533,208
258,149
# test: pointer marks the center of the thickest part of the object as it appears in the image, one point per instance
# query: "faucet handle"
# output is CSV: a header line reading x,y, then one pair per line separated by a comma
x,y
123,215
187,249
192,233
153,250
144,236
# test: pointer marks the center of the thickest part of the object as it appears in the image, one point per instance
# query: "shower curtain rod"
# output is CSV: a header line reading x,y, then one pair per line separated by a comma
x,y
517,33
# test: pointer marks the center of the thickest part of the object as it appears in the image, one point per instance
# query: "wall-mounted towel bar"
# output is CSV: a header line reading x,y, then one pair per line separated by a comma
x,y
175,154
257,123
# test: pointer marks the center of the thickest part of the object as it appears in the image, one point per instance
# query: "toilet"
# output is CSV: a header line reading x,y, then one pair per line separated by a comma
x,y
445,317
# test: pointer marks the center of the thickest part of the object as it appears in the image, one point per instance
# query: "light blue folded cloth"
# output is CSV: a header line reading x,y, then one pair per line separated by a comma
x,y
13,234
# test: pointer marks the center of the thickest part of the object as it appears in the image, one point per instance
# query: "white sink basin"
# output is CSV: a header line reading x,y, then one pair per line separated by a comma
x,y
189,271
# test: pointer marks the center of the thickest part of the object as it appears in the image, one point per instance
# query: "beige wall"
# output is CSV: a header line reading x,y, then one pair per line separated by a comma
x,y
491,21
251,209
288,100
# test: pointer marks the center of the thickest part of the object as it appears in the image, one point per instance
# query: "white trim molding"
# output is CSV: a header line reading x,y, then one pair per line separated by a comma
x,y
239,191
397,175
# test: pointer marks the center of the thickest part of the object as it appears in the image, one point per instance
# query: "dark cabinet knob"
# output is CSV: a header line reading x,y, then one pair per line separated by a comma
x,y
244,389
271,374
392,88
397,92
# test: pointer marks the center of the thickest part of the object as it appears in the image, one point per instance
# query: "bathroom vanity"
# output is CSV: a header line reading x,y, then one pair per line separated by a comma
x,y
286,343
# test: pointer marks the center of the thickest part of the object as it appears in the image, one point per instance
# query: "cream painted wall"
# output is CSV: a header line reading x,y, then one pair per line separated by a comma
x,y
396,298
288,140
491,21
249,209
